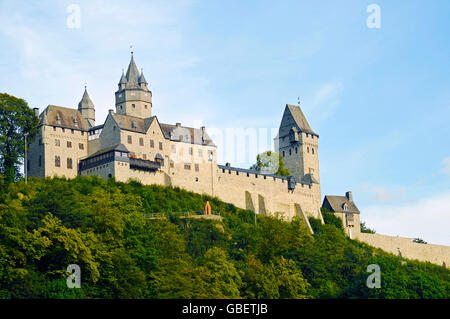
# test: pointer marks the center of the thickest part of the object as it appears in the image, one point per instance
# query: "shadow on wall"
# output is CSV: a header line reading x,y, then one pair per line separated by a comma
x,y
249,201
262,205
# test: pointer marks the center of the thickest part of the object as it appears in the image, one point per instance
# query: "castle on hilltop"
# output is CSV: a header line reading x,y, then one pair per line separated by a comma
x,y
133,144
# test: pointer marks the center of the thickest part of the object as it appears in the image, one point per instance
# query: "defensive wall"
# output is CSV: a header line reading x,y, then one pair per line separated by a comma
x,y
405,247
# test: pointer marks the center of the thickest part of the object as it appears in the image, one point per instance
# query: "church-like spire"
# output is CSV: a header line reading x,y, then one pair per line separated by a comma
x,y
86,101
132,73
86,107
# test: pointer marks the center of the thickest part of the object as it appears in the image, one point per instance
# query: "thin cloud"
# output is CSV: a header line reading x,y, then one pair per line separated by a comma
x,y
426,218
446,166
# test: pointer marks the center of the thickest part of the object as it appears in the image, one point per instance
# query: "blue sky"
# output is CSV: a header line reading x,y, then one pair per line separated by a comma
x,y
379,98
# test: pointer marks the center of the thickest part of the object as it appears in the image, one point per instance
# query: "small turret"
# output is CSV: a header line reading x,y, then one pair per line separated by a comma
x,y
86,108
122,82
142,81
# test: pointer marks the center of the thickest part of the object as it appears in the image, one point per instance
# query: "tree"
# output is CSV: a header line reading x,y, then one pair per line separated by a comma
x,y
365,229
16,120
270,162
419,241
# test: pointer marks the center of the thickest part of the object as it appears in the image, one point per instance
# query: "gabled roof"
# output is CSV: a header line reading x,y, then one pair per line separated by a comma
x,y
132,123
173,132
294,117
336,204
118,147
64,117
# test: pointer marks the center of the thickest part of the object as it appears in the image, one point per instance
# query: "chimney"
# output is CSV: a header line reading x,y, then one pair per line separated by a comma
x,y
111,112
227,164
203,134
36,111
349,196
178,124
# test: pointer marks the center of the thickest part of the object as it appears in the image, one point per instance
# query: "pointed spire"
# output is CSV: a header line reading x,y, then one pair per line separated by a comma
x,y
142,78
86,101
123,80
132,72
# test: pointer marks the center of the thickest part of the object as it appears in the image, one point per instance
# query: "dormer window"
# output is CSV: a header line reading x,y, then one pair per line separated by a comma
x,y
75,122
133,124
58,119
345,207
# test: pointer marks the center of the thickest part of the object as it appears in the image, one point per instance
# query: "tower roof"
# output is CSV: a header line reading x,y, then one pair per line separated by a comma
x,y
123,80
132,73
294,117
86,101
142,78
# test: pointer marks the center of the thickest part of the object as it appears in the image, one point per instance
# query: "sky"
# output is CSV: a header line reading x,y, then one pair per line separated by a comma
x,y
376,88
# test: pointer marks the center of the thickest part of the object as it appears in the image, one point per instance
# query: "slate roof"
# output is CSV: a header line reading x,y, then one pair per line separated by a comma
x,y
134,124
86,101
64,117
294,117
173,132
336,204
118,147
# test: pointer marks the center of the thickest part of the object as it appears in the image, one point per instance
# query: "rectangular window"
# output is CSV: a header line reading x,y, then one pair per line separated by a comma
x,y
197,168
54,128
40,160
69,144
57,161
160,146
63,129
130,140
81,146
144,156
69,163
73,132
141,141
190,151
187,166
57,143
172,165
152,144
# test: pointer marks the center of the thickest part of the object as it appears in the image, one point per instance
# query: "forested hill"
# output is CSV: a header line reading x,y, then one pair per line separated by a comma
x,y
107,229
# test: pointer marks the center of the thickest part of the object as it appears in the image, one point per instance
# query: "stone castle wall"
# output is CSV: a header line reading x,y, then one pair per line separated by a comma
x,y
436,254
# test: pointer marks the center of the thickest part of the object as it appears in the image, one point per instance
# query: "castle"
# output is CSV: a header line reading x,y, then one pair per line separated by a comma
x,y
133,144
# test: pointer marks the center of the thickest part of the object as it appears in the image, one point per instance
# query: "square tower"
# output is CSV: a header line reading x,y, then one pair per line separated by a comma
x,y
298,145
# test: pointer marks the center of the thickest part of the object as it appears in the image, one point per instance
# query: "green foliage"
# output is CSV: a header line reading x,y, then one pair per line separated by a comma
x,y
16,120
106,228
270,162
365,229
419,241
331,219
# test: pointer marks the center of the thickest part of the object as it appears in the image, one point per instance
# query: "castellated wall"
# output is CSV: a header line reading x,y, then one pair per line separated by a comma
x,y
268,195
435,254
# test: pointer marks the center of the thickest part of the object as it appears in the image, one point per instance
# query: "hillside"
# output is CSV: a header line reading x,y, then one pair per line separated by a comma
x,y
107,229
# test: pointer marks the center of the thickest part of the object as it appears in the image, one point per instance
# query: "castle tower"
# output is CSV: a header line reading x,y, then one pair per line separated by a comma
x,y
86,108
298,145
133,96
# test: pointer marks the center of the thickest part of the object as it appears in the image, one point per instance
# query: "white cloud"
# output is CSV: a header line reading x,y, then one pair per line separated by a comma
x,y
427,218
383,194
323,102
446,166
